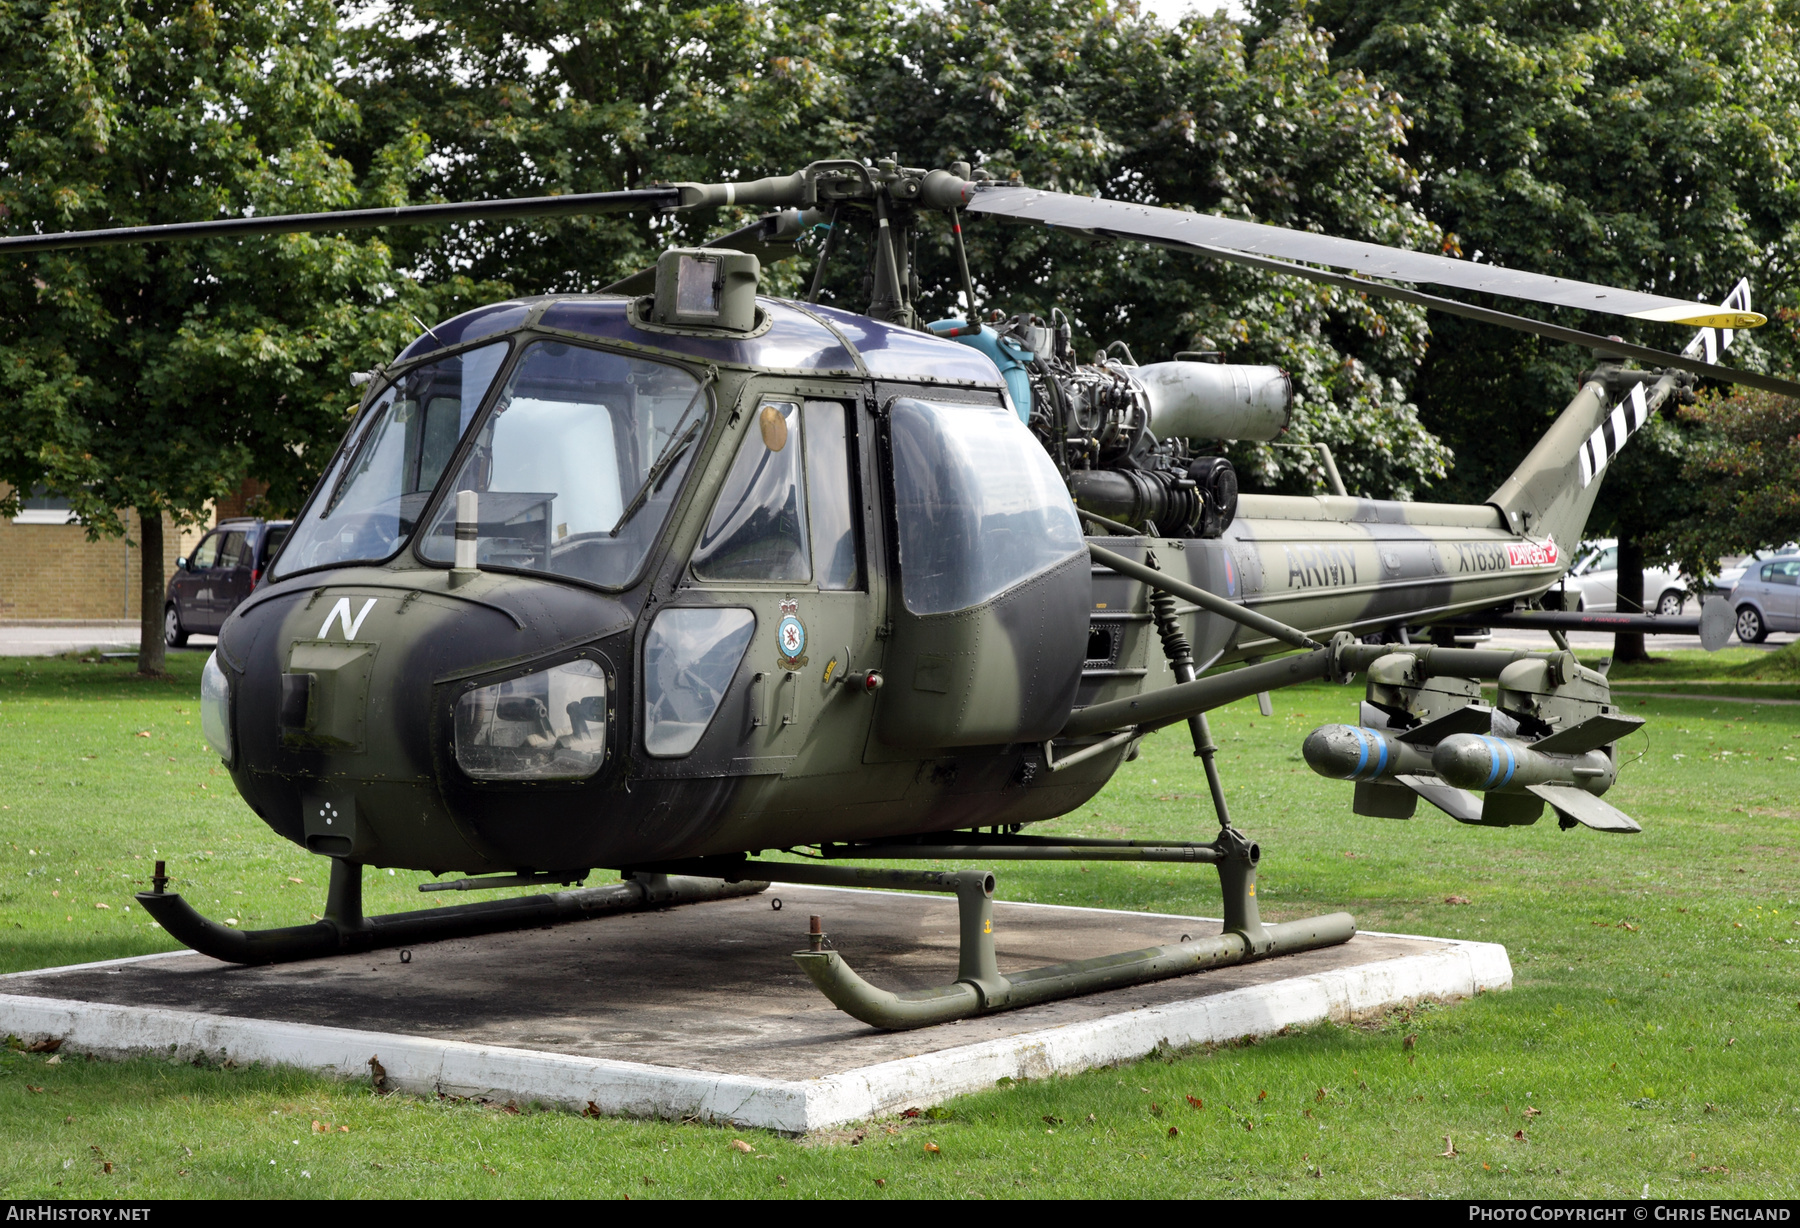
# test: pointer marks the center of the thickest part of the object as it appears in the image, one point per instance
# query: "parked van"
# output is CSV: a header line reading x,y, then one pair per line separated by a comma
x,y
208,585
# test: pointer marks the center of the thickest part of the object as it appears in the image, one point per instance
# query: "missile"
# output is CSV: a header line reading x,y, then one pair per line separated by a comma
x,y
1356,752
1448,760
1486,764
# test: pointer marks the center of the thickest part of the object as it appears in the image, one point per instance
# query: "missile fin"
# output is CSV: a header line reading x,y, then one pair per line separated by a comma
x,y
1575,806
1591,734
1459,804
1384,801
1476,718
1510,809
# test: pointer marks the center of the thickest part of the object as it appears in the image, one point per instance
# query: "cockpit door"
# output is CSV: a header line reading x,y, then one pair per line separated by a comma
x,y
787,541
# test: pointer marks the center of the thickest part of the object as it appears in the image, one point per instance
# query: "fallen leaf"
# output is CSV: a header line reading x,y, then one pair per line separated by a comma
x,y
106,1166
1519,1137
292,879
1261,1096
881,1181
1410,1041
142,733
1173,1131
1449,1152
343,1129
1530,1113
48,1045
1155,1110
1196,1102
592,1110
319,1127
107,907
30,1088
55,1060
70,1120
1320,1094
1456,899
910,1113
738,1144
931,1149
1052,1121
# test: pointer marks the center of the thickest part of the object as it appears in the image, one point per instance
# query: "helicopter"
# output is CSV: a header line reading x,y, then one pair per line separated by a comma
x,y
660,578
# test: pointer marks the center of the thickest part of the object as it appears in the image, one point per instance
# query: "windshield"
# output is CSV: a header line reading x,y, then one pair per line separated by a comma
x,y
577,465
370,501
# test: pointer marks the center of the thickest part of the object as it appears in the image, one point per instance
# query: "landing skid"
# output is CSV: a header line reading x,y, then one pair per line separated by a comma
x,y
979,987
345,930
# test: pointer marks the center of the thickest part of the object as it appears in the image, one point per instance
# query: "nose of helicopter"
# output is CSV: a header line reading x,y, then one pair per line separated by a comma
x,y
344,702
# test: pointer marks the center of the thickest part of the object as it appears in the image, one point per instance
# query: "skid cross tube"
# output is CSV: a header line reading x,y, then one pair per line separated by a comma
x,y
345,930
979,987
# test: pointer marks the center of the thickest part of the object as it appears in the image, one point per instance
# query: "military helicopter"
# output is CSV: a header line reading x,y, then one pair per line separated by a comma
x,y
660,578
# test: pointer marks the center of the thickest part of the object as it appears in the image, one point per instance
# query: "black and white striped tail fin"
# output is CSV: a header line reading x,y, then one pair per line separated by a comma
x,y
1631,413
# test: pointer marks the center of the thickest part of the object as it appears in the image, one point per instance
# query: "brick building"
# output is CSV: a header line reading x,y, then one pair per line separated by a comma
x,y
51,572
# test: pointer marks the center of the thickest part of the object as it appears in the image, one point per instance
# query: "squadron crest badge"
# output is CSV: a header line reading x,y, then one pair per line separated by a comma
x,y
790,636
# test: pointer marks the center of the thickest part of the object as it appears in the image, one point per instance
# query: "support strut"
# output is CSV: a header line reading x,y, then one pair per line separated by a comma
x,y
344,929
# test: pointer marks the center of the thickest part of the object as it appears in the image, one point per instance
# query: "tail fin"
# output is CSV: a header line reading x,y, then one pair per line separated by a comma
x,y
1553,490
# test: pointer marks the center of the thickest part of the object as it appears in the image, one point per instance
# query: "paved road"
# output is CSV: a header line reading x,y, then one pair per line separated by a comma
x,y
49,639
1603,640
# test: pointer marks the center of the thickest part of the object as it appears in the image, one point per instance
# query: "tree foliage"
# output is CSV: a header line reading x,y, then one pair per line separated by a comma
x,y
1652,144
533,99
1088,96
157,377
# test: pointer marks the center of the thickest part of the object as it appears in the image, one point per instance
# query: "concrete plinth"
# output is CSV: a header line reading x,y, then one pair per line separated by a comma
x,y
698,1011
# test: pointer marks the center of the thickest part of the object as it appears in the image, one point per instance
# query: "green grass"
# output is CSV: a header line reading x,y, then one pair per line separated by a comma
x,y
1741,665
1654,1026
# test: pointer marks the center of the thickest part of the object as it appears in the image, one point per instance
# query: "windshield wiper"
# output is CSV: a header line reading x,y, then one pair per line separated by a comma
x,y
677,447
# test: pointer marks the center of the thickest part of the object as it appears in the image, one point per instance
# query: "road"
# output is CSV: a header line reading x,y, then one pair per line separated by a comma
x,y
49,639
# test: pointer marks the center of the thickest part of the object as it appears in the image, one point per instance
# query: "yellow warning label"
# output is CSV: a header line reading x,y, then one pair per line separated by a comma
x,y
987,927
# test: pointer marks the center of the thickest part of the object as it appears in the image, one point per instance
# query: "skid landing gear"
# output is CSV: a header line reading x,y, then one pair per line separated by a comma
x,y
980,988
345,930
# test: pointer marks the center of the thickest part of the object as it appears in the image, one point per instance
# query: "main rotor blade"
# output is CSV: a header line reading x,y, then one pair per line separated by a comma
x,y
1173,227
1487,315
353,219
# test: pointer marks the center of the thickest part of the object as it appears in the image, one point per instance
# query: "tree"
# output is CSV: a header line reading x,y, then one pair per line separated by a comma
x,y
1642,143
529,99
1744,470
158,377
1091,95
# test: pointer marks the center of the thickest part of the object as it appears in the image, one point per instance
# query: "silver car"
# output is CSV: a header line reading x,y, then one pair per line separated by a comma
x,y
1767,598
1596,577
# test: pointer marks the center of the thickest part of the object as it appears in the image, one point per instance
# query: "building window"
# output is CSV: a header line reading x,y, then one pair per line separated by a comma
x,y
40,507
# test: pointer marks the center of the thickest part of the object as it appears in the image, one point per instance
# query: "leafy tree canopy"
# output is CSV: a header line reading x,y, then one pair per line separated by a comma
x,y
157,377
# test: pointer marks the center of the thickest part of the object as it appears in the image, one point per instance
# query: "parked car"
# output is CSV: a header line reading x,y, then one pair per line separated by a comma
x,y
1596,578
208,585
1767,599
1734,569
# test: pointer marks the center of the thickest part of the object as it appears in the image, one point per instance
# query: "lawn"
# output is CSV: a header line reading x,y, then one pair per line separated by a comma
x,y
1651,1042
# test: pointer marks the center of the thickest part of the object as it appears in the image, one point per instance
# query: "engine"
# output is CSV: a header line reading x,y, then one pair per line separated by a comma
x,y
1132,441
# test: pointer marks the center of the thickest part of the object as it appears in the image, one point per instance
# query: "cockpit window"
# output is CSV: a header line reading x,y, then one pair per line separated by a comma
x,y
980,506
577,464
370,501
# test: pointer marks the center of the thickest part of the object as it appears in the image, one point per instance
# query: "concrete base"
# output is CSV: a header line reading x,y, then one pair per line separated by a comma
x,y
699,1011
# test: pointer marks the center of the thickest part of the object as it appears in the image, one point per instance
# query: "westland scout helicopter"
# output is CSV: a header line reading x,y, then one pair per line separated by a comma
x,y
659,578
